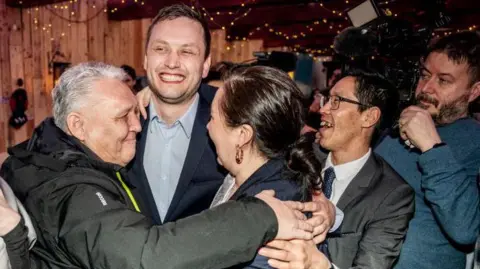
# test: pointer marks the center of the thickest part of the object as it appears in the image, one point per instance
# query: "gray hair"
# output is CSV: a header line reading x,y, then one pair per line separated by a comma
x,y
74,86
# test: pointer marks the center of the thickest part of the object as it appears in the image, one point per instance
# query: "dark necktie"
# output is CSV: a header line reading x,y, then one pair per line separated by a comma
x,y
328,178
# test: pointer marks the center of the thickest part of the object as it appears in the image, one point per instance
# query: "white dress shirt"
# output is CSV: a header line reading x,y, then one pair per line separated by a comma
x,y
344,174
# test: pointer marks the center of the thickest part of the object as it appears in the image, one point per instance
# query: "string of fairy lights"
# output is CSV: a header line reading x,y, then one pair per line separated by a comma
x,y
69,12
242,12
310,29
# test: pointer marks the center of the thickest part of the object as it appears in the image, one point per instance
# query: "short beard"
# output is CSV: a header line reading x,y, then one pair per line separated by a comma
x,y
449,112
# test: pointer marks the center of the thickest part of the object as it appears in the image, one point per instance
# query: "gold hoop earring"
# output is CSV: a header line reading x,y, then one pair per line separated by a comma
x,y
239,155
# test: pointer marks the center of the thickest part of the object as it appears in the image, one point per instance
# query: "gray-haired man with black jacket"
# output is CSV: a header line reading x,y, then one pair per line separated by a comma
x,y
70,178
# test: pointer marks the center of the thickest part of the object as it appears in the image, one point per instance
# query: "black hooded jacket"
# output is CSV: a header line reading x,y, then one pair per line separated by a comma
x,y
85,215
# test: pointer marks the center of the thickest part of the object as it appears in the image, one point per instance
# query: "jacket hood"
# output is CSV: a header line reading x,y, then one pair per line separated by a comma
x,y
49,153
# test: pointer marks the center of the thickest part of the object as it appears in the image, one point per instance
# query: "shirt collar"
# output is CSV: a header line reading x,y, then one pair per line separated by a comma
x,y
186,120
347,170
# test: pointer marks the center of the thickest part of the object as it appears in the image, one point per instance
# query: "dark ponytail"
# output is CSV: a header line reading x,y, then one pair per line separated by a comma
x,y
301,160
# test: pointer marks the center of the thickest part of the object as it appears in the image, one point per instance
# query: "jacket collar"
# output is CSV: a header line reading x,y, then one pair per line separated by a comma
x,y
268,171
186,121
360,183
358,187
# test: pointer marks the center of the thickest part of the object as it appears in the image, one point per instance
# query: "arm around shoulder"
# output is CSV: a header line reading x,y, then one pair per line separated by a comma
x,y
117,237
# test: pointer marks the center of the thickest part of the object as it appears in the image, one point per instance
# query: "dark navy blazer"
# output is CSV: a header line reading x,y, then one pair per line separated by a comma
x,y
201,175
273,175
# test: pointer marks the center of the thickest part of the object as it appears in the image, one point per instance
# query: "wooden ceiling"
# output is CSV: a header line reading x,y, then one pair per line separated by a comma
x,y
293,23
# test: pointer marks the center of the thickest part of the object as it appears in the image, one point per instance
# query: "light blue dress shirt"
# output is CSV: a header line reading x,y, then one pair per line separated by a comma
x,y
165,152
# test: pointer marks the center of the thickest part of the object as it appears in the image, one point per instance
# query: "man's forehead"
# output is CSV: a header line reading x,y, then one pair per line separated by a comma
x,y
439,62
177,27
113,90
344,86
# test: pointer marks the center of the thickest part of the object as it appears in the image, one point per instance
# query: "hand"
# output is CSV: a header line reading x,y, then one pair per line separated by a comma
x,y
294,254
417,126
323,218
292,223
143,98
9,218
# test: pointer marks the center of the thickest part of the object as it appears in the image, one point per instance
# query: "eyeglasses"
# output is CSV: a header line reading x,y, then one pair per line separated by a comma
x,y
335,101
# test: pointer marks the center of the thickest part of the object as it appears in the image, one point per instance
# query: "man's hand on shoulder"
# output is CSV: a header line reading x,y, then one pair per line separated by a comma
x,y
143,99
323,216
292,223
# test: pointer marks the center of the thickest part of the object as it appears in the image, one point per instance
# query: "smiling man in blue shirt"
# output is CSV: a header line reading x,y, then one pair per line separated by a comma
x,y
175,169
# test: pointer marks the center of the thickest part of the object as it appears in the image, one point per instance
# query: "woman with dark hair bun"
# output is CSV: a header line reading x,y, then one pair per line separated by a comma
x,y
255,124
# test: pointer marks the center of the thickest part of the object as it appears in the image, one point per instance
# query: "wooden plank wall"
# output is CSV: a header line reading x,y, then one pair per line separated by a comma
x,y
6,32
80,32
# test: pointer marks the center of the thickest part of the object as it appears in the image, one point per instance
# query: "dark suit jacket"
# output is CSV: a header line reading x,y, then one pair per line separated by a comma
x,y
201,175
378,204
273,175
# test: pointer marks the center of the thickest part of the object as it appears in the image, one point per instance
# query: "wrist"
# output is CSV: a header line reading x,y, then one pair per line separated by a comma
x,y
436,145
320,261
430,145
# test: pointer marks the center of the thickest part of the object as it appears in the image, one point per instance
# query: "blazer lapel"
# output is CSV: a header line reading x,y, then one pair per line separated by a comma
x,y
198,141
358,186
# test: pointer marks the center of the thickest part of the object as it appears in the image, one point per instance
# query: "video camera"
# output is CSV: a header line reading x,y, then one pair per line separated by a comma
x,y
390,46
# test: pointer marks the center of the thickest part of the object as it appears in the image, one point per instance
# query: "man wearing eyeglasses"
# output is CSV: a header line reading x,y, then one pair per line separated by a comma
x,y
377,203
